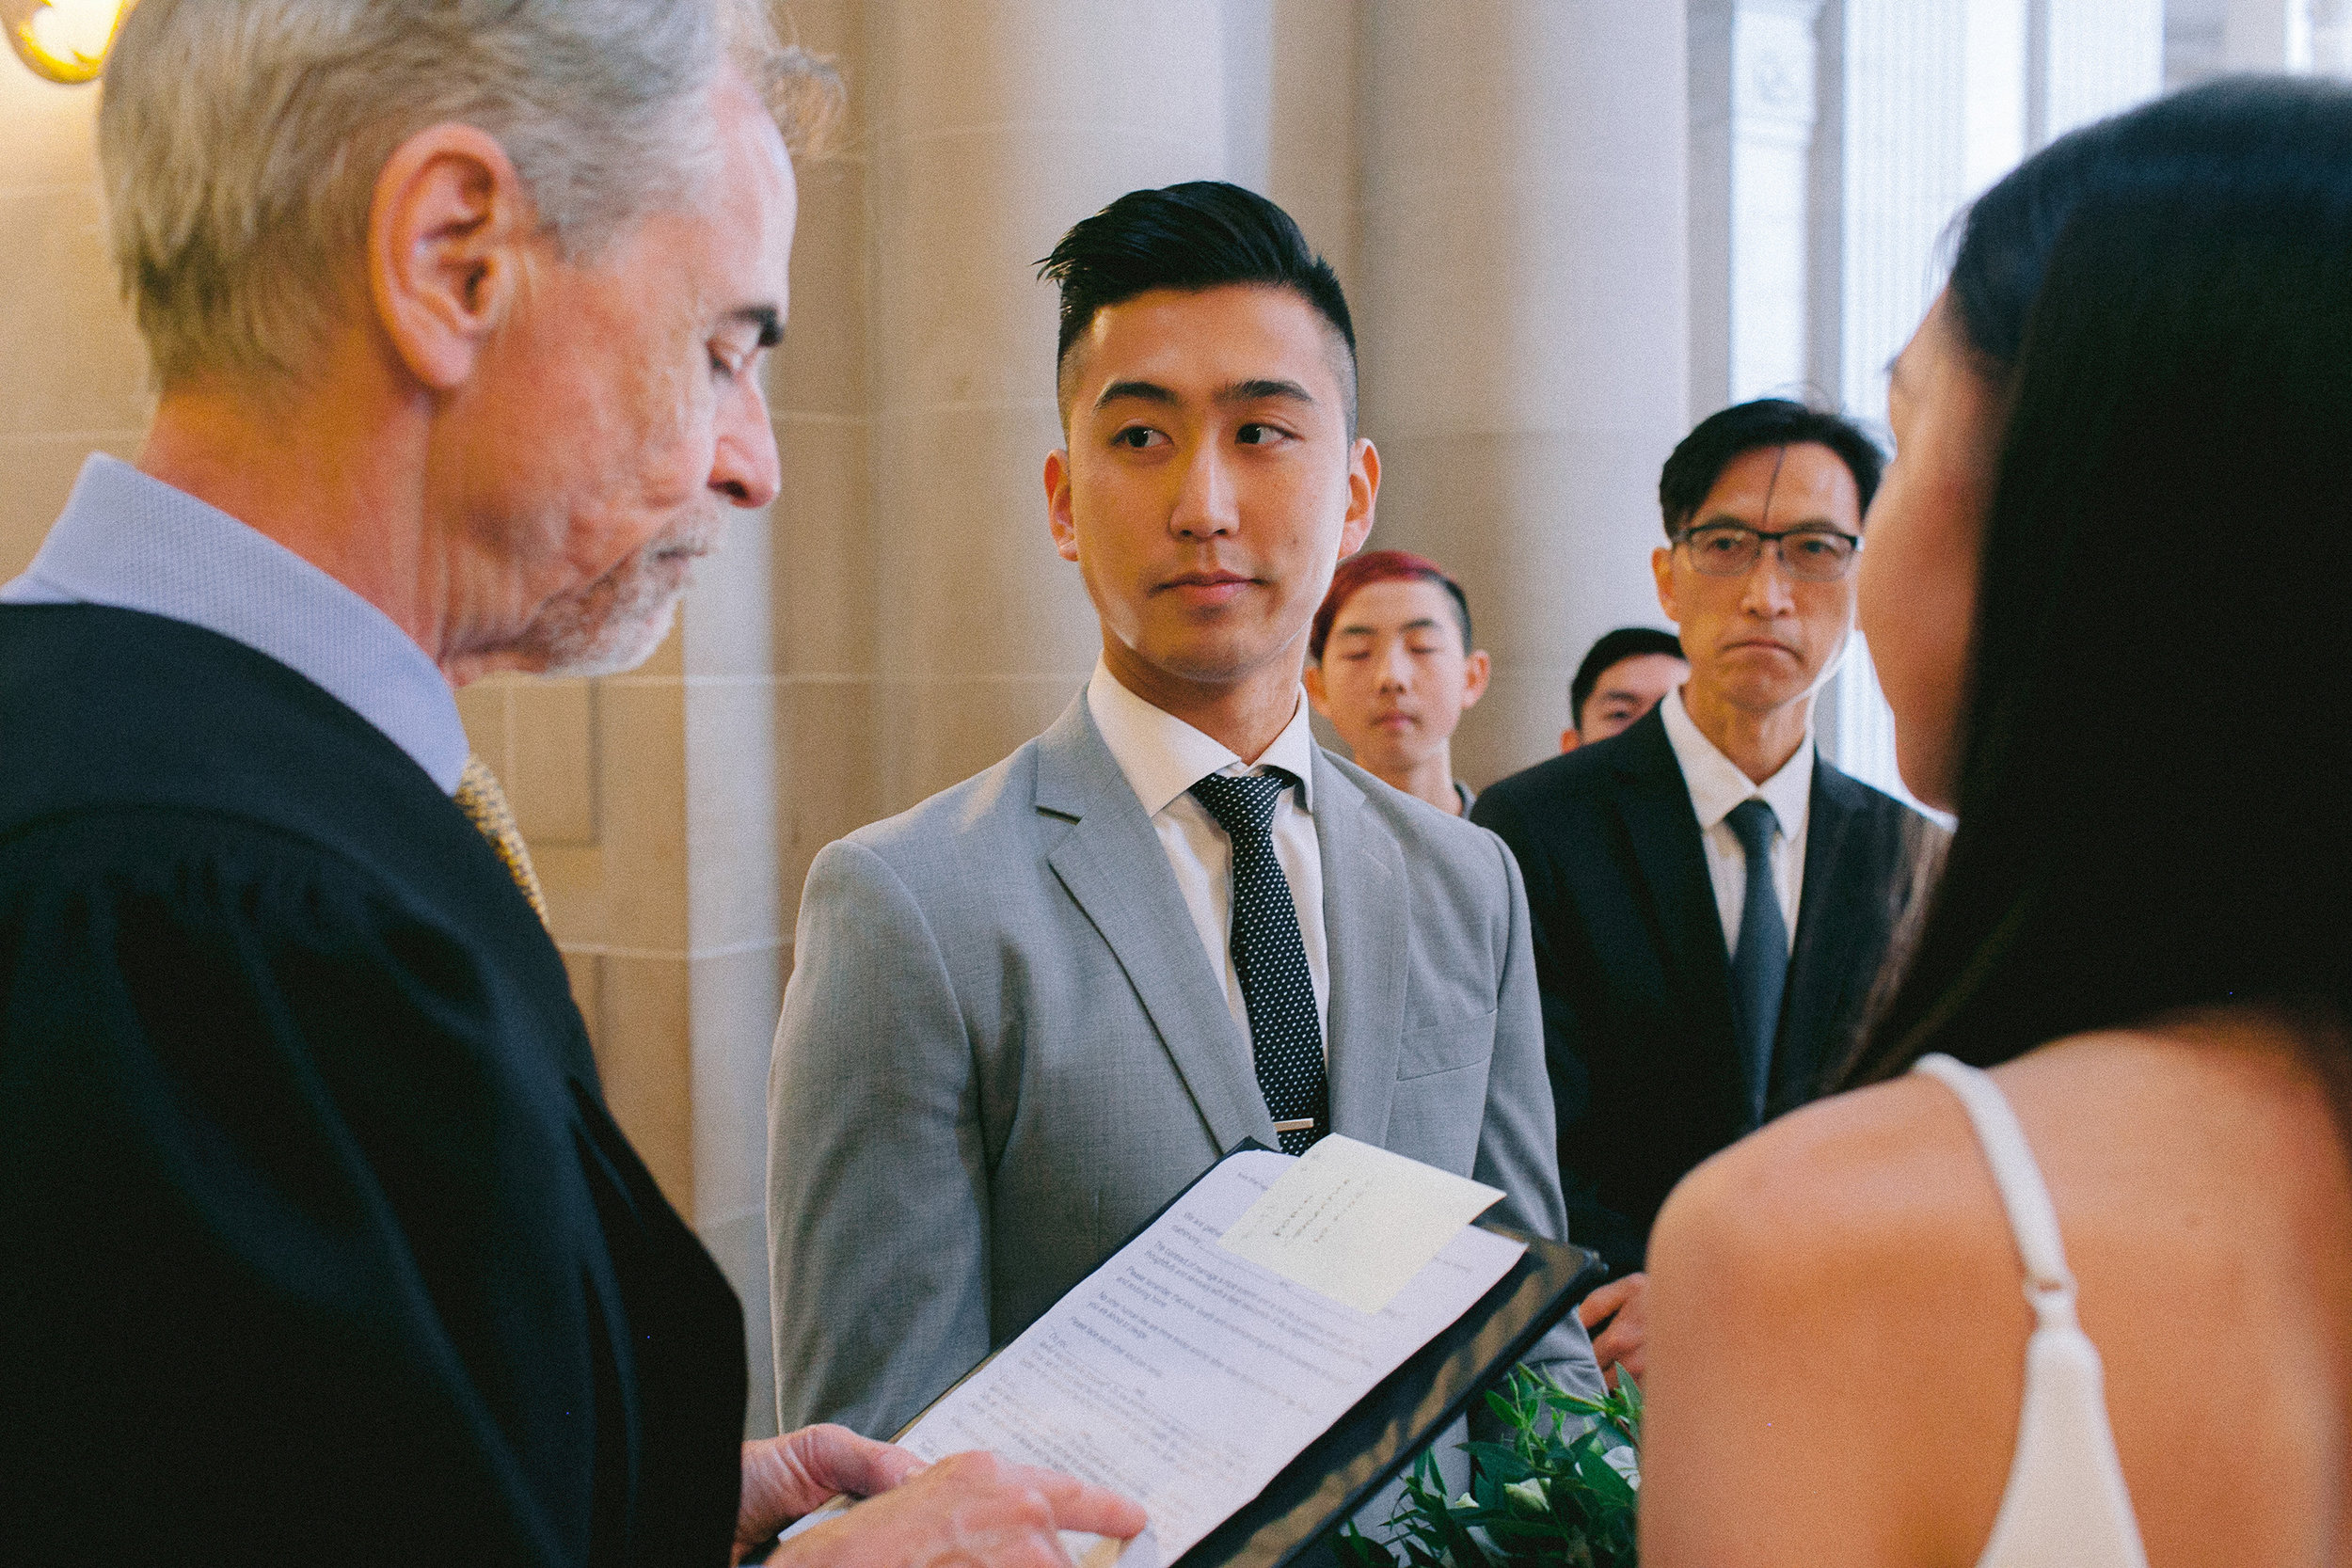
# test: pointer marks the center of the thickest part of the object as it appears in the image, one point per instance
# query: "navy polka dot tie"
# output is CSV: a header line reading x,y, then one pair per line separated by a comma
x,y
1269,956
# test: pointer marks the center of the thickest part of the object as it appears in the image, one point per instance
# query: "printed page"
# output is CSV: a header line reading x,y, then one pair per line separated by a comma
x,y
1357,1222
1186,1375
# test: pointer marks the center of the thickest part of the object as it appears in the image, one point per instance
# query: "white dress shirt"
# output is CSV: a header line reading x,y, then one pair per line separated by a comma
x,y
1162,757
1716,785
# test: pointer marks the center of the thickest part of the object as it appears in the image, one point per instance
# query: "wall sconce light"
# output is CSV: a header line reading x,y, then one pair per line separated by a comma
x,y
64,41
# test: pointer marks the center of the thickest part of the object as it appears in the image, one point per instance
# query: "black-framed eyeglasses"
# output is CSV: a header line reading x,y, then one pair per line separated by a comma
x,y
1813,554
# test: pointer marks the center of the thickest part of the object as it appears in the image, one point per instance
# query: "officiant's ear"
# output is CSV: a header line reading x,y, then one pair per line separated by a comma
x,y
449,238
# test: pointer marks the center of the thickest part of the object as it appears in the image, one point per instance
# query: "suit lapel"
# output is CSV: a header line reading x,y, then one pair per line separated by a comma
x,y
1367,925
1661,835
1112,863
1669,874
1828,930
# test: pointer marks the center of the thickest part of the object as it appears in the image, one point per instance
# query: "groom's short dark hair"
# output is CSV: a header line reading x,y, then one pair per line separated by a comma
x,y
1203,234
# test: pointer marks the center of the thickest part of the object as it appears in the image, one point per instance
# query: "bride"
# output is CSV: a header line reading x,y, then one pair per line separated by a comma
x,y
2092,1306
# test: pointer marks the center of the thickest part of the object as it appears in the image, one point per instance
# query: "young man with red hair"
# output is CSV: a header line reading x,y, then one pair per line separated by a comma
x,y
1392,668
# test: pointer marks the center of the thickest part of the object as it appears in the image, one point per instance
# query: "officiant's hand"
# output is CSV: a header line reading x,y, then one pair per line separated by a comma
x,y
1623,1305
972,1510
786,1477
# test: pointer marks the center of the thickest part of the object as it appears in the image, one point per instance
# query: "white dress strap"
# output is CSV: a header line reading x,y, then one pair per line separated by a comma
x,y
2066,1505
2026,1196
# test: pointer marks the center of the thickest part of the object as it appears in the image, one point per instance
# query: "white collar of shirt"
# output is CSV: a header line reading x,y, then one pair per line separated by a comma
x,y
129,541
1164,757
1717,785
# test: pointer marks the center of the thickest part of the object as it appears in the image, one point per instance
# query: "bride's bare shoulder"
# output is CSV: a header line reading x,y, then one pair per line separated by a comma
x,y
1837,1299
1842,1187
1819,1294
2116,1119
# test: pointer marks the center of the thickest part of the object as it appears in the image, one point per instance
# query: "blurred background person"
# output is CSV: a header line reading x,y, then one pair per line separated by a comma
x,y
1623,675
2104,590
1392,666
1710,898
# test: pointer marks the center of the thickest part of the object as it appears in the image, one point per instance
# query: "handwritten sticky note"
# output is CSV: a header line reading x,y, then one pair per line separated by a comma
x,y
1355,1222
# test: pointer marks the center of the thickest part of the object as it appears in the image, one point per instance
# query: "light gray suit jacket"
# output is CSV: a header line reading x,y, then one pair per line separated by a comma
x,y
1003,1050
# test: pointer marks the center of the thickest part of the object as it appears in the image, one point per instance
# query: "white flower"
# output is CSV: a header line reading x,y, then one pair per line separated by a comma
x,y
1627,1464
1529,1493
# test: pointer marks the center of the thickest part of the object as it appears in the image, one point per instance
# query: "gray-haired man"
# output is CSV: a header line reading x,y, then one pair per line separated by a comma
x,y
321,1244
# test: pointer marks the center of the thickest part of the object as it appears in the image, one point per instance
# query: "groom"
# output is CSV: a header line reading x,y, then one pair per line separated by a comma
x,y
1030,1011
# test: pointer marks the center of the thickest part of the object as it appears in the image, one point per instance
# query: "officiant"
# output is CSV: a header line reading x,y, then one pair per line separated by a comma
x,y
321,1245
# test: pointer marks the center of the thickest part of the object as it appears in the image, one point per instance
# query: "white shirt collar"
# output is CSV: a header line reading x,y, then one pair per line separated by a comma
x,y
1716,784
1162,757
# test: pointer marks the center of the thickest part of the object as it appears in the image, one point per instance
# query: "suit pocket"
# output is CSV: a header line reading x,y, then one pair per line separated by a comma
x,y
1442,1047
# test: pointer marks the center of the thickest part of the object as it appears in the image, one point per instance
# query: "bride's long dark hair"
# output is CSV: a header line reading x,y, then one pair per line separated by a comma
x,y
2154,802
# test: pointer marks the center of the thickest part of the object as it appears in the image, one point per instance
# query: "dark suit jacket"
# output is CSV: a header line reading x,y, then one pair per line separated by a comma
x,y
1636,982
316,1240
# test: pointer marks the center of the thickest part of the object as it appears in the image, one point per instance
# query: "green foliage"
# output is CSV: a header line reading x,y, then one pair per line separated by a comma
x,y
1549,1497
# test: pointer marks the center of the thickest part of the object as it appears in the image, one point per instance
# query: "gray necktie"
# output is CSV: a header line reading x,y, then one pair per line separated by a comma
x,y
1270,957
1759,970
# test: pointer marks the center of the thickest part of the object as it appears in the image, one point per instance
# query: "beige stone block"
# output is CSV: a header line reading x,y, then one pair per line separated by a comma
x,y
732,896
824,587
1530,92
833,28
830,781
964,319
736,997
946,65
37,475
552,760
69,355
482,707
725,621
1515,726
971,581
52,132
1549,534
1567,314
940,733
668,660
960,224
583,970
820,365
645,1057
1310,139
628,890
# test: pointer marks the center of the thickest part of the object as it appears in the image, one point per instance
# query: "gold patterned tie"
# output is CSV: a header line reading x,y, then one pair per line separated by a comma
x,y
485,806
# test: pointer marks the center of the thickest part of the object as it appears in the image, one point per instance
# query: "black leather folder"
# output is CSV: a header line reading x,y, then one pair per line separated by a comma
x,y
1340,1471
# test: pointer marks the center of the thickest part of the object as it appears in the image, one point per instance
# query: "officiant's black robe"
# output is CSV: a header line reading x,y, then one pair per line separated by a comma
x,y
316,1242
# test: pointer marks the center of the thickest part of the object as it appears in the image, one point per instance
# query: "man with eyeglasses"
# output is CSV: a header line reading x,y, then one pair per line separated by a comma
x,y
1710,898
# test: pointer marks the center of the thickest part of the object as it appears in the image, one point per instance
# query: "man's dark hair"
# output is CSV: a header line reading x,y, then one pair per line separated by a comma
x,y
1202,234
1745,427
1616,648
